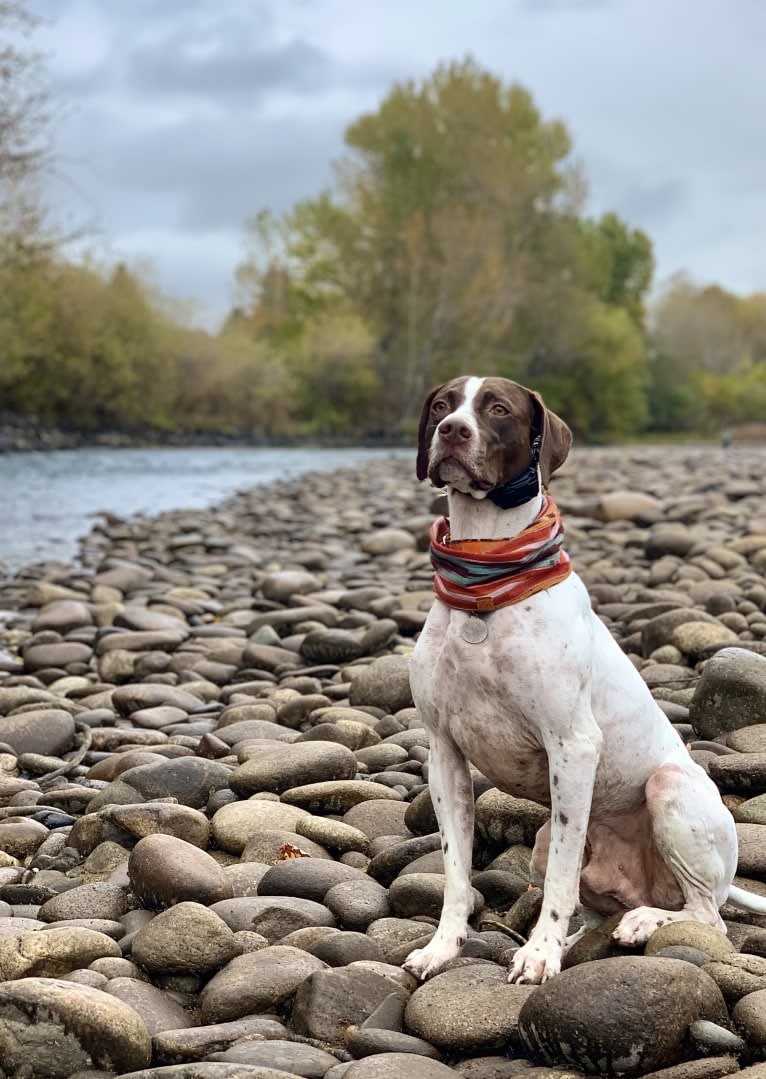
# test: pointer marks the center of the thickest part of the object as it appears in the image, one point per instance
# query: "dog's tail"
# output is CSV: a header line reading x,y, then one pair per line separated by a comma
x,y
756,904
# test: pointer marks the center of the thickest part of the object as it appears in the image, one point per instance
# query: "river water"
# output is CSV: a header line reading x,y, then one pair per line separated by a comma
x,y
48,499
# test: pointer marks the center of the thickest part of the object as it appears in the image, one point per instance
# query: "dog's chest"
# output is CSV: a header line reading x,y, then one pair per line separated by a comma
x,y
467,691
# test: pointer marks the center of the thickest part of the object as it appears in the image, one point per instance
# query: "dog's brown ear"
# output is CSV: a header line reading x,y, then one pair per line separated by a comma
x,y
556,443
425,431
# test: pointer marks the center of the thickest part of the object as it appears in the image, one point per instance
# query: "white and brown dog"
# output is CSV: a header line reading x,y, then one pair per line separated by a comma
x,y
548,707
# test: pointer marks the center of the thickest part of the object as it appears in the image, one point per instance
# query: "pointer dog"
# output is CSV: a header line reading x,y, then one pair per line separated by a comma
x,y
541,699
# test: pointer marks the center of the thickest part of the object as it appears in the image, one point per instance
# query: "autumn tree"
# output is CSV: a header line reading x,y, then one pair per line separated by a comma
x,y
455,235
710,355
23,131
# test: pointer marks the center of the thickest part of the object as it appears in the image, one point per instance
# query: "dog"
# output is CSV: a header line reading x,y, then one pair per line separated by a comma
x,y
537,695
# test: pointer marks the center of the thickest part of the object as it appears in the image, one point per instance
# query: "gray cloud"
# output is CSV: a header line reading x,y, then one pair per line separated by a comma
x,y
240,67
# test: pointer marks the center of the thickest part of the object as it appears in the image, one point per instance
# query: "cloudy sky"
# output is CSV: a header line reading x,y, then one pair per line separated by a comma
x,y
181,118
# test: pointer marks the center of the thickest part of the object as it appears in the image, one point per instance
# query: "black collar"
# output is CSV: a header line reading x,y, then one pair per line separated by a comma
x,y
526,486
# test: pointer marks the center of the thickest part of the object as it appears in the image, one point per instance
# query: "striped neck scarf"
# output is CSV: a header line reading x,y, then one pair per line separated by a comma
x,y
484,575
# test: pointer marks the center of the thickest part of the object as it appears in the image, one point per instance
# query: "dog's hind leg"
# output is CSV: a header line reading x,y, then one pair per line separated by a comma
x,y
695,836
452,795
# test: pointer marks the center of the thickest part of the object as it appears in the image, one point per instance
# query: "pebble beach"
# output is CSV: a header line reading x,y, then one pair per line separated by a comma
x,y
217,844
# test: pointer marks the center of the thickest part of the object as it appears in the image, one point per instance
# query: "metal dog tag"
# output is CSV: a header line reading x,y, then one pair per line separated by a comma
x,y
474,630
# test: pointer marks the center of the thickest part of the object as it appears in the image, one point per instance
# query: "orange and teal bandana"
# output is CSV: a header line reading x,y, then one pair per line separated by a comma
x,y
484,575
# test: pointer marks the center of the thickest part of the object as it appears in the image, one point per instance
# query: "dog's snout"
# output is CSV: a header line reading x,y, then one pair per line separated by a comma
x,y
454,431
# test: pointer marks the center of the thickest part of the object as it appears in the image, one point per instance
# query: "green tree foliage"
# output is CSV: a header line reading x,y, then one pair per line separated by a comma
x,y
710,364
454,235
453,241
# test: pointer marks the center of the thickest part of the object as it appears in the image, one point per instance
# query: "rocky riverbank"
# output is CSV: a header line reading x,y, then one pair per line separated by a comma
x,y
217,844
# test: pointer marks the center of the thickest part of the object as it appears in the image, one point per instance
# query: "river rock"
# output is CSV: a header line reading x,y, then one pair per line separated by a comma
x,y
337,795
331,646
256,982
307,878
668,539
658,631
387,541
62,615
206,1070
627,1015
49,731
190,780
379,817
749,1016
738,975
20,838
282,584
99,900
503,820
165,870
60,654
470,1007
186,939
332,834
128,699
253,732
52,953
396,1066
330,1001
291,1058
741,773
288,766
423,893
175,1047
694,639
150,818
751,839
51,1028
268,657
692,935
752,811
272,845
730,694
384,683
628,506
357,903
158,1010
233,825
748,739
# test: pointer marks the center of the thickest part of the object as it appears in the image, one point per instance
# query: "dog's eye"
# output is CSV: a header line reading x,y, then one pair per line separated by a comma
x,y
499,410
439,406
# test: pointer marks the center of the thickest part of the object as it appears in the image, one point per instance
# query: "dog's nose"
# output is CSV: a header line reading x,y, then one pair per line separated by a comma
x,y
453,431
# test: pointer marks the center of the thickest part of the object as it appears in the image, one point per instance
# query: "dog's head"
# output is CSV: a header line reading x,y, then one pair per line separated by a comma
x,y
477,433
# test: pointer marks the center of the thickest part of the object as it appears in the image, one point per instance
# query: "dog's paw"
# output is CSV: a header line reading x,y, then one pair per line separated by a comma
x,y
424,962
636,926
534,964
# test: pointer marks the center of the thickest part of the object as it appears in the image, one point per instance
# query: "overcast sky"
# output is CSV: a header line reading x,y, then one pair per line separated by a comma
x,y
182,118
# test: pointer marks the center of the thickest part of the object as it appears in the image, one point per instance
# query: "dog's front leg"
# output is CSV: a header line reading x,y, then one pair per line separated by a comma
x,y
449,779
572,760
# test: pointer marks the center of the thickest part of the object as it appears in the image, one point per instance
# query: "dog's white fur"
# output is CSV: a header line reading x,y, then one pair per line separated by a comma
x,y
550,702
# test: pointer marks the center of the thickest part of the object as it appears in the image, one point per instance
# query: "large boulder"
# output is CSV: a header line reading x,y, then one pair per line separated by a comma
x,y
627,1015
50,1029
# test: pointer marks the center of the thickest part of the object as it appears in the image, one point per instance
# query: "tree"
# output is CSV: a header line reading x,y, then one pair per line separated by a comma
x,y
23,131
619,263
454,235
712,344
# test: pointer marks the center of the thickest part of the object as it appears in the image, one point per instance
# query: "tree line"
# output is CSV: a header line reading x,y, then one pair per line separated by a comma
x,y
454,239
